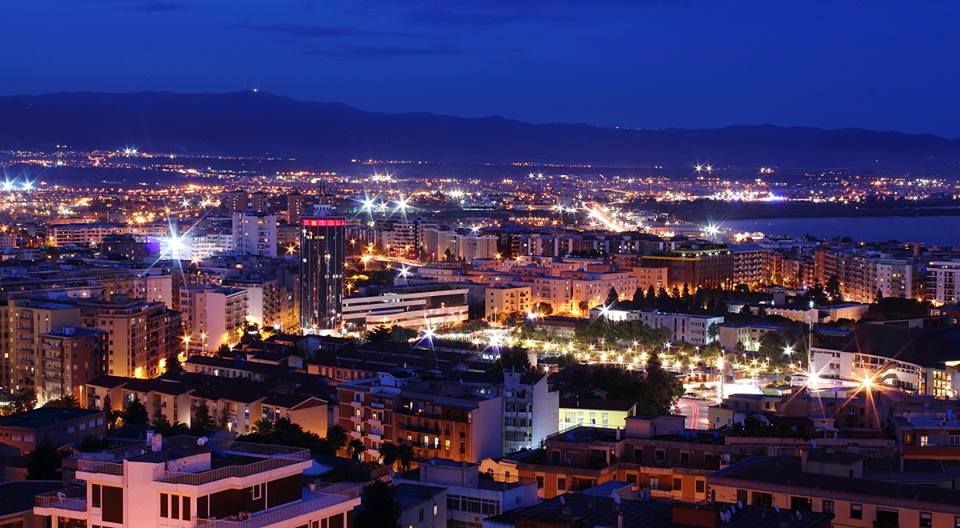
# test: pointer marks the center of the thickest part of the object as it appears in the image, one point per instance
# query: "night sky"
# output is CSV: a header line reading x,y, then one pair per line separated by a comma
x,y
642,63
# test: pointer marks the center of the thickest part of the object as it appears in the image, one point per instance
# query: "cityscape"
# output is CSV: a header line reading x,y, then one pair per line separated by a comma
x,y
225,307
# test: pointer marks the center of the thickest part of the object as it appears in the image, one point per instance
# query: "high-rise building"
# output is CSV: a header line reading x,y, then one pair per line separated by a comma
x,y
321,272
255,234
260,202
943,282
30,319
295,207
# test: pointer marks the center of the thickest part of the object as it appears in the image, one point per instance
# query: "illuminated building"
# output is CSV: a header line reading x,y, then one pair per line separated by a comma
x,y
29,320
501,301
213,316
943,282
322,248
255,234
141,334
295,207
425,306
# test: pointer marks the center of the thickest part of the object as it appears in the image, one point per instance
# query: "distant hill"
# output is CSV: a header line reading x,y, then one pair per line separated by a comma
x,y
259,123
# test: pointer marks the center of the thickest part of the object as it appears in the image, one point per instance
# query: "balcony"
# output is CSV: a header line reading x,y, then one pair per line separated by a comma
x,y
59,501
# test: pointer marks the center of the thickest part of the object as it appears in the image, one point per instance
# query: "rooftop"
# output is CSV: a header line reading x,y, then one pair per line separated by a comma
x,y
45,417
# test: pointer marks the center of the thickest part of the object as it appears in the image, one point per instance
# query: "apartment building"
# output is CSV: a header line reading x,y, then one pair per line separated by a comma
x,y
255,234
437,419
503,300
29,320
140,337
942,285
58,427
826,481
186,481
212,316
69,357
750,265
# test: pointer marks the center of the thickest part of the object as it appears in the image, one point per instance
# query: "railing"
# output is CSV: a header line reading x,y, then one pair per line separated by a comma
x,y
98,466
275,515
213,475
63,503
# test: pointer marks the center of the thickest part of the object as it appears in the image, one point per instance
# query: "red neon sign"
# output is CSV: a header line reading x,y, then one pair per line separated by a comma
x,y
323,222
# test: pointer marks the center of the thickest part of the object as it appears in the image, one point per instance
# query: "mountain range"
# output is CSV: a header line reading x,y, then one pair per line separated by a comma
x,y
258,123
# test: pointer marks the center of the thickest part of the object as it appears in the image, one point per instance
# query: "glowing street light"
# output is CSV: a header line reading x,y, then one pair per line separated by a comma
x,y
788,350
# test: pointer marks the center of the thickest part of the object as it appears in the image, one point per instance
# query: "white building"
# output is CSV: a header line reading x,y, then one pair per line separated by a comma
x,y
187,483
914,360
411,307
943,282
688,328
212,316
209,245
255,234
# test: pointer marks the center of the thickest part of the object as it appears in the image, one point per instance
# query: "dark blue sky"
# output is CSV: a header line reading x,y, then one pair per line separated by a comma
x,y
642,63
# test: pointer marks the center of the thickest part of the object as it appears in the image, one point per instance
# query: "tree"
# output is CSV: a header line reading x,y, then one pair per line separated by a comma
x,y
638,297
661,389
263,426
401,454
650,300
356,449
515,319
379,334
43,463
833,288
400,334
25,400
110,415
378,507
201,423
612,297
223,350
713,331
336,438
544,308
514,359
64,402
135,413
173,364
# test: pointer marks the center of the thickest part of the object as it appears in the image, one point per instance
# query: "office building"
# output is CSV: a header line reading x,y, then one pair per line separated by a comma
x,y
322,252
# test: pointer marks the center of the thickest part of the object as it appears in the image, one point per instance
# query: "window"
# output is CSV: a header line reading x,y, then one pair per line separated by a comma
x,y
828,506
856,511
540,482
256,492
677,484
654,483
174,507
95,492
164,502
700,486
562,483
186,509
659,455
742,496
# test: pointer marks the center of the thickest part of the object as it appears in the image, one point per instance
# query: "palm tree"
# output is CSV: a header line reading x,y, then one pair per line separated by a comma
x,y
263,426
356,449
